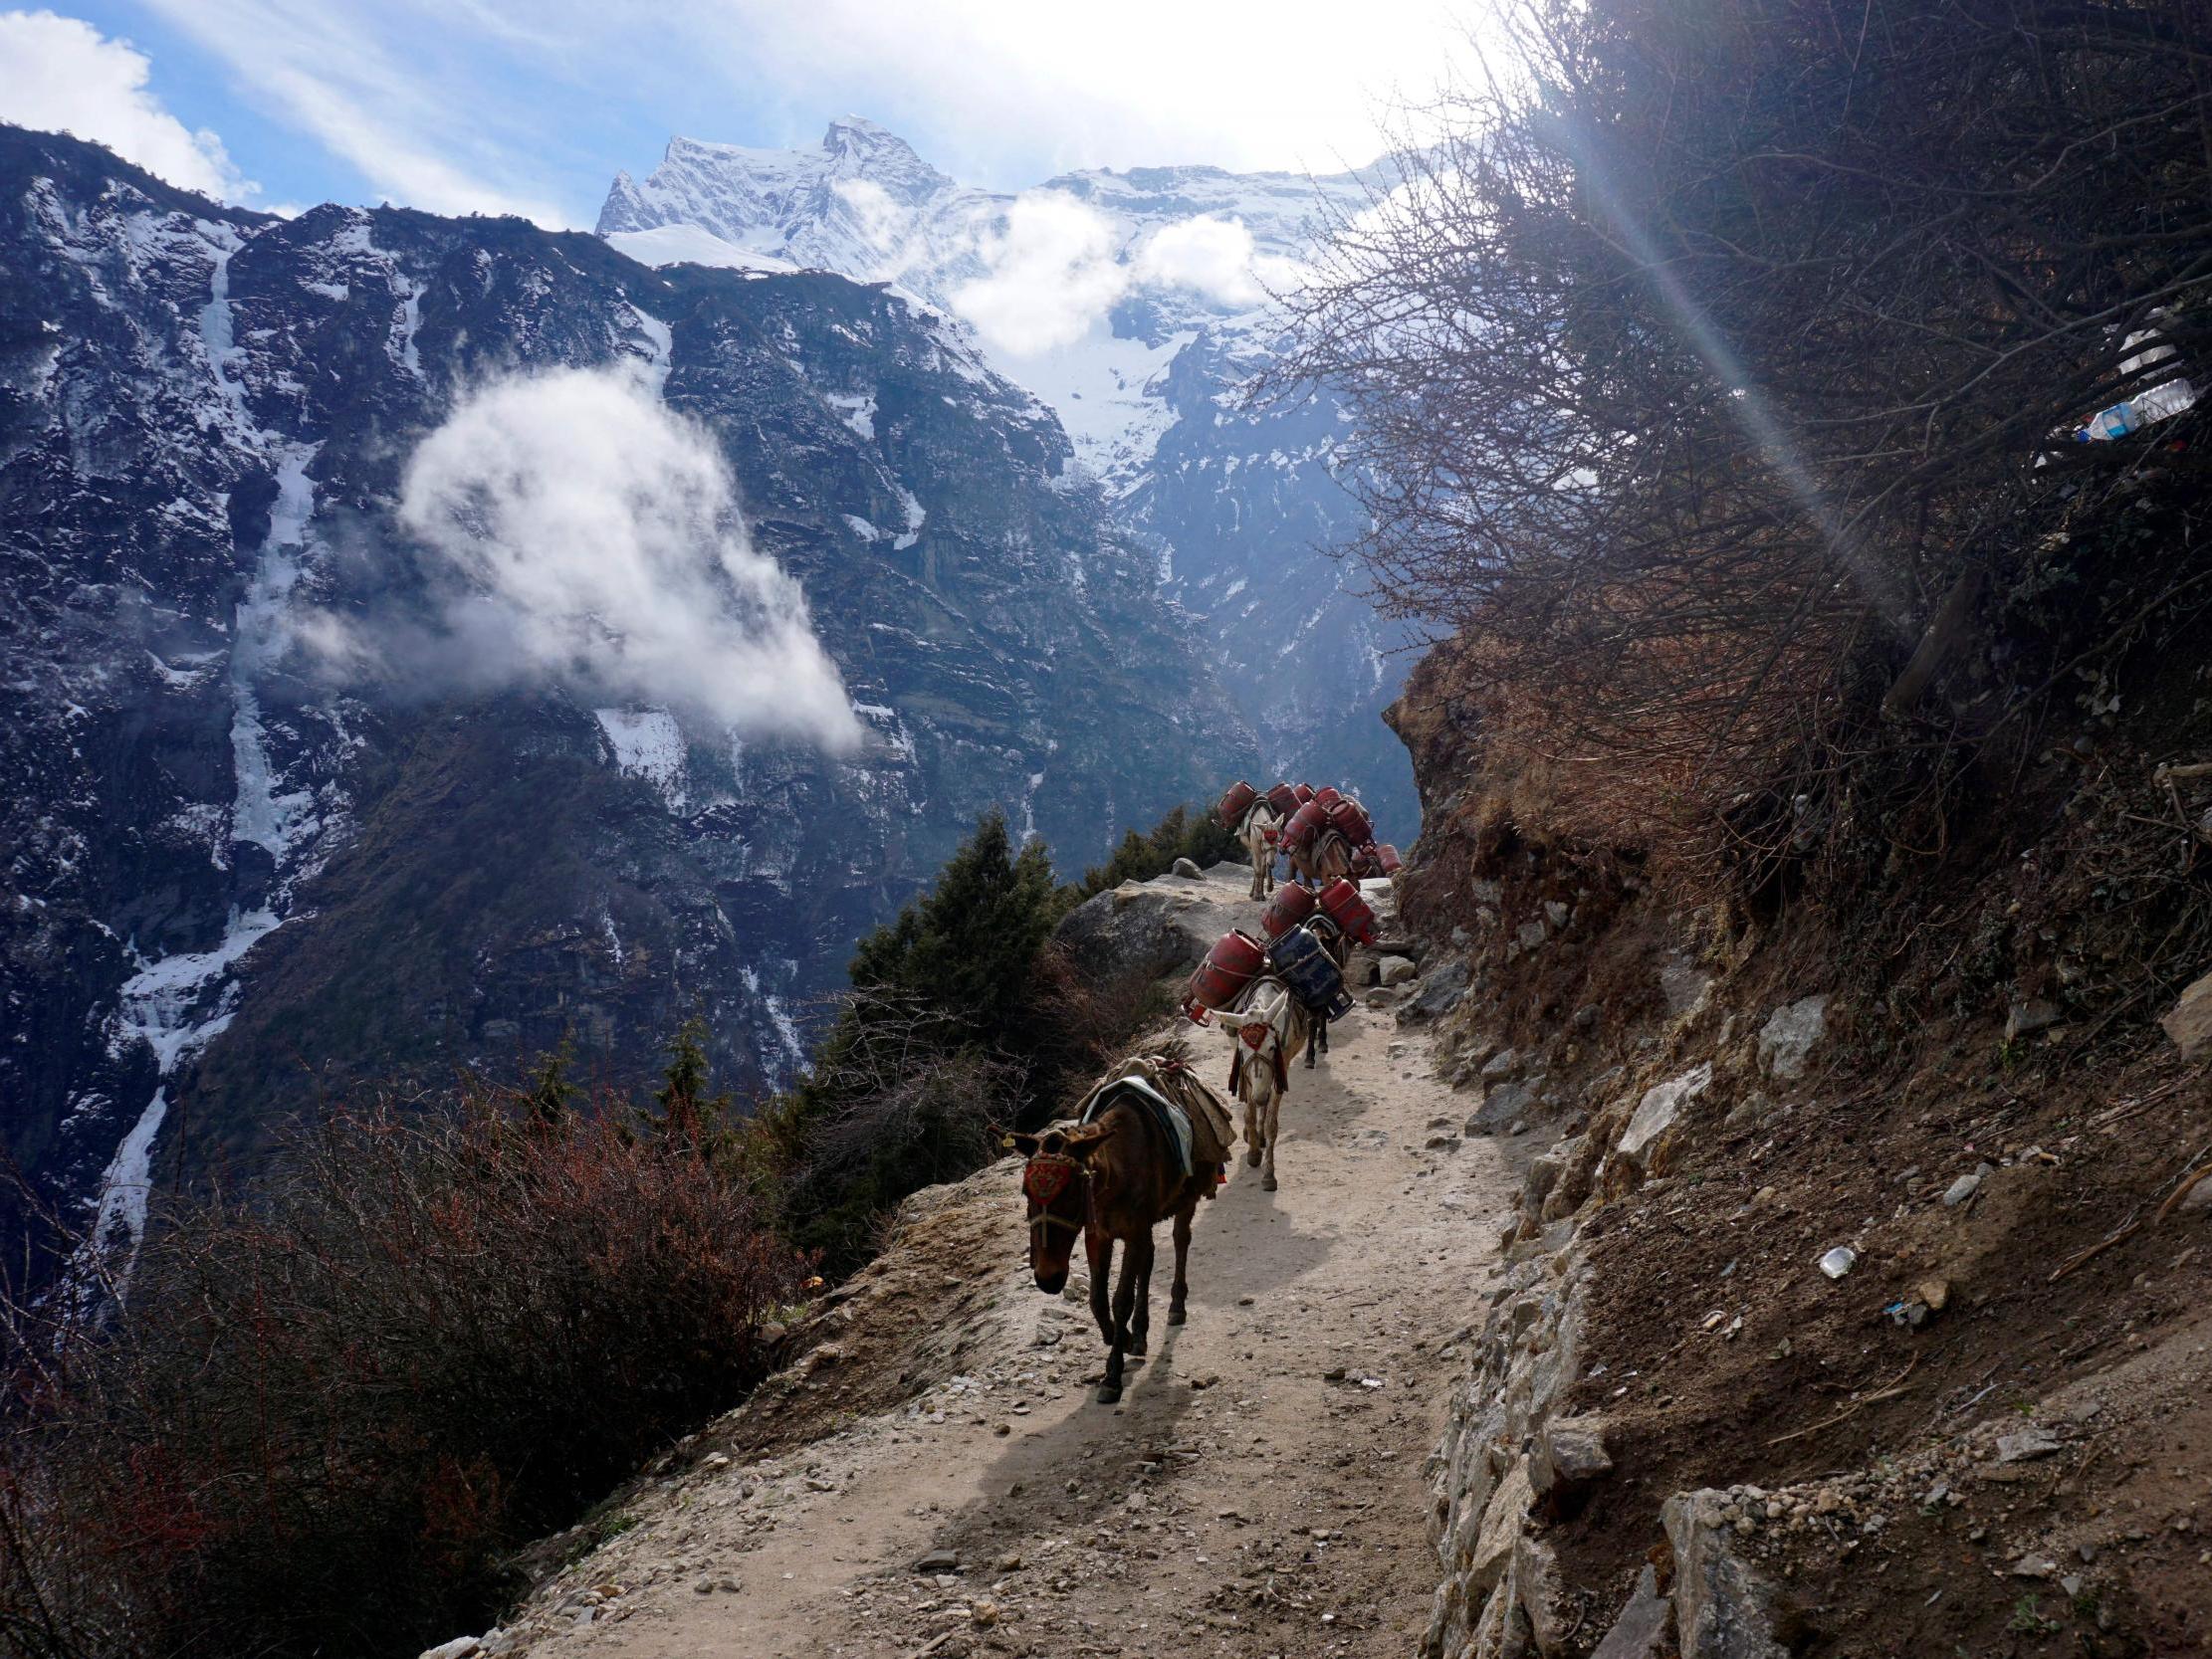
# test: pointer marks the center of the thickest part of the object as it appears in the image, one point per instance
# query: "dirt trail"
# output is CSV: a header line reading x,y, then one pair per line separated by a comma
x,y
1259,1491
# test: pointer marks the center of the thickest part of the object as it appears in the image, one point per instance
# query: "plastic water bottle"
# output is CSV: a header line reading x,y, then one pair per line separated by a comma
x,y
2108,424
2157,404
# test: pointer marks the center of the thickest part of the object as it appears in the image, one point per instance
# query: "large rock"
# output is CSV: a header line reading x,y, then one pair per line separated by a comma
x,y
1789,1036
1643,1144
1504,1104
1724,1608
1138,928
1645,1624
2189,1021
1569,1452
1540,1588
1501,1528
1437,991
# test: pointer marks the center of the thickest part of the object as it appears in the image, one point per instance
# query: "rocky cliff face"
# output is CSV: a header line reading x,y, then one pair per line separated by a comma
x,y
241,876
1240,507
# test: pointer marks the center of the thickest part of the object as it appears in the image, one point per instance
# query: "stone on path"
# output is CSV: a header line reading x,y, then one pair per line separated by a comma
x,y
1789,1036
2189,1021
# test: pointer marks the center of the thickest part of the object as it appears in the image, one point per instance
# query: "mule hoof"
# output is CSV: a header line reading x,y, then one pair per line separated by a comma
x,y
1266,1183
1109,1394
1175,1316
1136,1348
1251,1157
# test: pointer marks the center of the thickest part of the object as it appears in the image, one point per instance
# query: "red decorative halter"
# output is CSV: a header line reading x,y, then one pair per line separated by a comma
x,y
1044,1178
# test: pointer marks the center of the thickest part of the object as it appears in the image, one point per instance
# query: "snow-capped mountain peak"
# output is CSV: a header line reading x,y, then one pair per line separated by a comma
x,y
1135,303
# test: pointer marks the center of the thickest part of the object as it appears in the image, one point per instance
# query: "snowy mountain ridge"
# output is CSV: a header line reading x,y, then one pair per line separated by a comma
x,y
1135,305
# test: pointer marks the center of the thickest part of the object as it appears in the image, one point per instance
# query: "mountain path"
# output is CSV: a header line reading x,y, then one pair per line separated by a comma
x,y
1259,1491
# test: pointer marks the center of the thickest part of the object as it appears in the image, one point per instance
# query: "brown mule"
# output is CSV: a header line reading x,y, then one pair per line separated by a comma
x,y
1112,1180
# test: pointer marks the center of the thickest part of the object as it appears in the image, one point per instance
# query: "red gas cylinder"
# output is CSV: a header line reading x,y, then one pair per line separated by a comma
x,y
1342,904
1385,855
1304,825
1228,967
1235,802
1283,799
1328,797
1351,821
1292,905
1303,791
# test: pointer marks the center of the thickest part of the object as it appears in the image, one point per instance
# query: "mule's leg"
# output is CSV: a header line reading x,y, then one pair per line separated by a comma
x,y
1317,1033
1099,1249
1253,1134
1274,1130
1125,1296
1139,1330
1178,1295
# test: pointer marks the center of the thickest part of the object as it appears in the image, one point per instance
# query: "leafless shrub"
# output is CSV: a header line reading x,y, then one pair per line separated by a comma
x,y
1705,369
326,1410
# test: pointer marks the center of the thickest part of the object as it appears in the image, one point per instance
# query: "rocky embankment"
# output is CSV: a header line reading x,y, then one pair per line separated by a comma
x,y
1816,1337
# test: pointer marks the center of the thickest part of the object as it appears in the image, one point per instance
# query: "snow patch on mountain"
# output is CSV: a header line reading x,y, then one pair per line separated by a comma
x,y
648,743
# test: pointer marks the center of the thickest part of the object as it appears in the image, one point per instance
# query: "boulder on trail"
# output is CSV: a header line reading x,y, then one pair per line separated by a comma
x,y
1789,1036
2189,1021
1502,1106
1643,1144
1142,928
1187,868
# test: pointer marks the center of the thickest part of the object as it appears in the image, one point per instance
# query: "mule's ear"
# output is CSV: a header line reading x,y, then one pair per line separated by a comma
x,y
1025,1144
1087,1139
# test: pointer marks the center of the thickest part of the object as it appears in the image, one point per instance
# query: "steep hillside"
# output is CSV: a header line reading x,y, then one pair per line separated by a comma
x,y
243,873
1858,1297
1240,507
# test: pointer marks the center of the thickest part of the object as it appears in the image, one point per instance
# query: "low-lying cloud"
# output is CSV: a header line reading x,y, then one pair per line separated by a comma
x,y
1058,268
596,543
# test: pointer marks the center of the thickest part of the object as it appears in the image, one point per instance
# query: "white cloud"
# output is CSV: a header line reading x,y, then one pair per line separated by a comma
x,y
1006,89
58,73
1056,270
1052,274
882,221
1210,255
598,539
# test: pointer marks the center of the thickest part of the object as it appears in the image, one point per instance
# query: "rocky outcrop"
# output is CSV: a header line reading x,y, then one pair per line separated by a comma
x,y
1502,1451
1147,930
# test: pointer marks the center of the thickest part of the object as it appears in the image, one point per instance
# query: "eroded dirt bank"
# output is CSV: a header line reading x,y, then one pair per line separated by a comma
x,y
1259,1491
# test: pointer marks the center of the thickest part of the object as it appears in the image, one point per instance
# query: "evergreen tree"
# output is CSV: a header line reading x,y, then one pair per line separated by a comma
x,y
688,1115
967,945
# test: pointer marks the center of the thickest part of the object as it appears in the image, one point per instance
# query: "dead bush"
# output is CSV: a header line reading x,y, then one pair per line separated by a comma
x,y
330,1406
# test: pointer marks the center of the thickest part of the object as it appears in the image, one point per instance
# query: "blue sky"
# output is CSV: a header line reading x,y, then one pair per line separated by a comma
x,y
531,106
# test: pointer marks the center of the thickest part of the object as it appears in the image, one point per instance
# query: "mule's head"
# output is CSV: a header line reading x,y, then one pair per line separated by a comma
x,y
1055,1183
